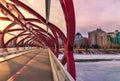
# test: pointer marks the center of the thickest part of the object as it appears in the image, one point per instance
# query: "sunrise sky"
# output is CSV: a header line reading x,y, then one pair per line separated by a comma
x,y
92,14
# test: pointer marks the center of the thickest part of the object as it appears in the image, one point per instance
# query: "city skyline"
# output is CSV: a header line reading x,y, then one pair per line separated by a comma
x,y
95,30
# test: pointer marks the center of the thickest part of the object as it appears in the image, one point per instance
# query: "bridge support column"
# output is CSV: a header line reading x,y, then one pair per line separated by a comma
x,y
69,59
70,62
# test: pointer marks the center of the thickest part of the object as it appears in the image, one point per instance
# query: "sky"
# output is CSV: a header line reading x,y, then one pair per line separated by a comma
x,y
92,14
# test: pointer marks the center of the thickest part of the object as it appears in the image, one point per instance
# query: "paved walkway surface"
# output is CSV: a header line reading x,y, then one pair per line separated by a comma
x,y
33,66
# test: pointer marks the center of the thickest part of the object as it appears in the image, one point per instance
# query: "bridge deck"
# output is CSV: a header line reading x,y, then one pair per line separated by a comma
x,y
33,66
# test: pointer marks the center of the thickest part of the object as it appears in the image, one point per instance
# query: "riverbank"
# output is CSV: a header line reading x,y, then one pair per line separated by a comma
x,y
94,51
94,58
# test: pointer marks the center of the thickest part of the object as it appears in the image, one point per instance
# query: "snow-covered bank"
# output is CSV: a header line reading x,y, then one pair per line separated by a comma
x,y
106,56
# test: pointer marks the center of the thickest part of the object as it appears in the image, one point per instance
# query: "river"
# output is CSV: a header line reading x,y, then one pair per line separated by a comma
x,y
98,71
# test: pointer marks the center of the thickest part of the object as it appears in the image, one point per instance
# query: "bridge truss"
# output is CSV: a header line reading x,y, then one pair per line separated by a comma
x,y
31,34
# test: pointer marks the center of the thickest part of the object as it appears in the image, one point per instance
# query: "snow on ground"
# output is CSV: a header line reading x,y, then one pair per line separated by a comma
x,y
98,56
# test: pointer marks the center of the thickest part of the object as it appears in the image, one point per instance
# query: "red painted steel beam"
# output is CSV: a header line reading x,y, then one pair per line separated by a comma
x,y
25,39
41,29
68,9
39,44
3,34
52,28
21,34
54,39
38,16
15,18
14,30
5,31
55,34
55,31
8,27
15,38
28,9
4,19
28,36
27,42
41,19
32,43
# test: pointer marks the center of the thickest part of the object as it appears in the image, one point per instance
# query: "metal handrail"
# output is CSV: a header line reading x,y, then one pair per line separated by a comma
x,y
59,73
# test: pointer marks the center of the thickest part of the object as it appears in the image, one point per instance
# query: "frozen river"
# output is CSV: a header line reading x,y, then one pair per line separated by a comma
x,y
98,71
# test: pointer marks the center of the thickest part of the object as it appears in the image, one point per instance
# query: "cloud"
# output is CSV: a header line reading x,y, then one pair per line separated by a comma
x,y
91,14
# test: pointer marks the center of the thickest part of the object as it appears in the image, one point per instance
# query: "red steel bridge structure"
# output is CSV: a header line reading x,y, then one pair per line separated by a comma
x,y
34,34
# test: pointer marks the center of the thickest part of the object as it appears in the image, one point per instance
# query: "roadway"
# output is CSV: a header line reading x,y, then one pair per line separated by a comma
x,y
32,66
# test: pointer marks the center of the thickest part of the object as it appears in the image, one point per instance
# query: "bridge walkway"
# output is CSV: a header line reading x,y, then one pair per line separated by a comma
x,y
32,66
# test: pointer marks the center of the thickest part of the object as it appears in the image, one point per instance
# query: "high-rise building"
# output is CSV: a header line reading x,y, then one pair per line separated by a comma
x,y
98,37
78,39
111,37
118,37
114,38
